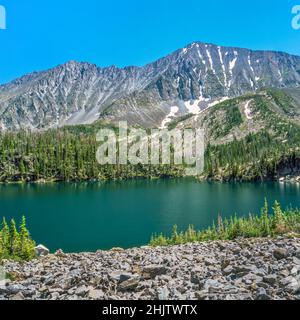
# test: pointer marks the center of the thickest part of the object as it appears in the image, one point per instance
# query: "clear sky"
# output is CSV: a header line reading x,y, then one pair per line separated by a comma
x,y
43,34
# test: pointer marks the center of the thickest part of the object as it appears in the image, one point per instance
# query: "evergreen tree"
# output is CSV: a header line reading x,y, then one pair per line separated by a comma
x,y
4,240
14,239
279,219
26,243
265,222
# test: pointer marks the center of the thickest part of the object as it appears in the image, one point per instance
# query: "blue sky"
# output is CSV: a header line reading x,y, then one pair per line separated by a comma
x,y
43,34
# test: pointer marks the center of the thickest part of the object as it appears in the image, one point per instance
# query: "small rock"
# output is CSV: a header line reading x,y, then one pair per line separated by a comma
x,y
213,286
41,250
228,270
296,270
270,279
96,294
163,294
196,275
17,297
126,276
221,245
225,263
49,280
43,289
280,253
150,272
291,284
201,295
59,253
209,261
129,285
236,250
245,269
120,276
284,273
262,294
296,261
81,291
55,295
15,288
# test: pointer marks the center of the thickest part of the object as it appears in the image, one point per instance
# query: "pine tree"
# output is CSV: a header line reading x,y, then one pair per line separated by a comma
x,y
279,219
26,243
265,221
4,240
14,239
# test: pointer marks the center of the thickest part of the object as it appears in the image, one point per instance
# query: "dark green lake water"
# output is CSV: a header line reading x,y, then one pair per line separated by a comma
x,y
91,216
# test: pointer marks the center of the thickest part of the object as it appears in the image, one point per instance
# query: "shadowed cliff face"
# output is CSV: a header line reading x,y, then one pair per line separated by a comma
x,y
190,78
289,166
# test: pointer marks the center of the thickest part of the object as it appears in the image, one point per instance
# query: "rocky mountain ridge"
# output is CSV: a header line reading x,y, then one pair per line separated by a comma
x,y
184,82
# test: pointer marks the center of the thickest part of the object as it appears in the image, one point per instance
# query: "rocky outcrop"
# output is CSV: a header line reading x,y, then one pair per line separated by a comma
x,y
246,269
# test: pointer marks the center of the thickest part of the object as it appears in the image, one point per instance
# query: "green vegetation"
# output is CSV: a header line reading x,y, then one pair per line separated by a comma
x,y
284,101
175,122
254,226
261,155
225,116
69,154
16,243
233,119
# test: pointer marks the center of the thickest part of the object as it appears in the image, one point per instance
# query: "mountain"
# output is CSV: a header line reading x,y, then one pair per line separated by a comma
x,y
276,111
183,83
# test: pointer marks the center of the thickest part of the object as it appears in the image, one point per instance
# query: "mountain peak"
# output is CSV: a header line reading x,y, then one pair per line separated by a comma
x,y
191,79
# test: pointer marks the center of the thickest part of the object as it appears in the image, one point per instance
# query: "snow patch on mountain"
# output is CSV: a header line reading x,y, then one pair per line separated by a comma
x,y
223,66
169,117
232,65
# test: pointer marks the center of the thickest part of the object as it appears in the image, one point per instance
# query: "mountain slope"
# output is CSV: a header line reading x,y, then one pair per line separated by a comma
x,y
272,110
190,79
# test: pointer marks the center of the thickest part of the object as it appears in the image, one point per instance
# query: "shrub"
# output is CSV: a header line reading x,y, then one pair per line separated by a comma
x,y
263,225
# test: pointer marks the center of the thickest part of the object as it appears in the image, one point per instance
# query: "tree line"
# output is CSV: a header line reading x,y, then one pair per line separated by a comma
x,y
70,155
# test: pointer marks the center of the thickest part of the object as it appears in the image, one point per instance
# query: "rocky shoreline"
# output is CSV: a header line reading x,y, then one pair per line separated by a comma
x,y
245,269
290,179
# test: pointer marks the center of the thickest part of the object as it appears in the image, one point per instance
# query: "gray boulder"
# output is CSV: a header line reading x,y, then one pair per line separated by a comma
x,y
41,250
